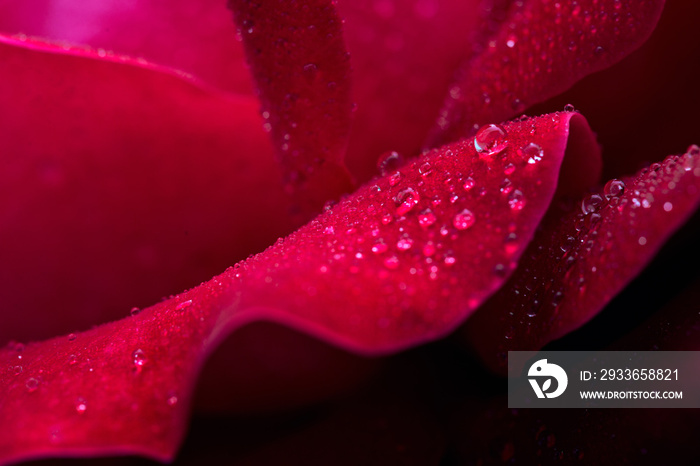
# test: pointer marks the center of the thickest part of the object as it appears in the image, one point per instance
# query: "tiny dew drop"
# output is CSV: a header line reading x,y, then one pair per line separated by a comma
x,y
72,336
183,305
569,108
614,188
404,244
379,247
395,179
80,405
391,262
509,169
32,384
490,140
426,218
134,311
532,152
172,399
468,183
425,169
139,358
389,162
464,220
516,200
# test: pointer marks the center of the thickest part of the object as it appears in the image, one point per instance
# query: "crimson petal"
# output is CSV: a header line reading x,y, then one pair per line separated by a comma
x,y
195,37
581,259
302,72
541,49
375,274
120,185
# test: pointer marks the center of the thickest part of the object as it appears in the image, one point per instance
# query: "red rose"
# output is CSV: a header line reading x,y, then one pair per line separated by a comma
x,y
127,179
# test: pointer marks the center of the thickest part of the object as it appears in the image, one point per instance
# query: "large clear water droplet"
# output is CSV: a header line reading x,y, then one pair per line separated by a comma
x,y
614,188
490,140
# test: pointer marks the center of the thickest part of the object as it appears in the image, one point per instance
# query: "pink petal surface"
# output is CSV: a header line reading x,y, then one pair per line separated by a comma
x,y
578,262
301,68
541,49
404,56
120,185
125,387
197,37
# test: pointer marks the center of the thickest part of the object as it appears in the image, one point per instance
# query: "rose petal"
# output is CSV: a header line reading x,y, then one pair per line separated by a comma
x,y
660,106
542,49
578,263
125,387
195,37
120,185
301,69
404,56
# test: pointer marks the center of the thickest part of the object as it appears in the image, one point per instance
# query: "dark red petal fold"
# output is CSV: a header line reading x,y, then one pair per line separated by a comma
x,y
119,185
541,49
197,37
302,71
584,255
401,262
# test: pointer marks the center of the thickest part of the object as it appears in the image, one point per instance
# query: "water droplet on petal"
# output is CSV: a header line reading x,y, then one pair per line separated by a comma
x,y
516,200
425,170
464,220
395,179
134,311
468,183
379,247
80,405
32,384
490,140
406,199
389,162
404,244
591,203
532,152
426,218
668,207
139,358
391,262
172,399
183,305
17,370
509,169
614,188
569,108
72,336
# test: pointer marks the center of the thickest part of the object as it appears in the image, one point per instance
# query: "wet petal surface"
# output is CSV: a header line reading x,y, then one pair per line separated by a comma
x,y
332,279
584,254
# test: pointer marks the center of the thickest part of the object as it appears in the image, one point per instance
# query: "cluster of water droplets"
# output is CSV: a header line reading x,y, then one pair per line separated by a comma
x,y
585,236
